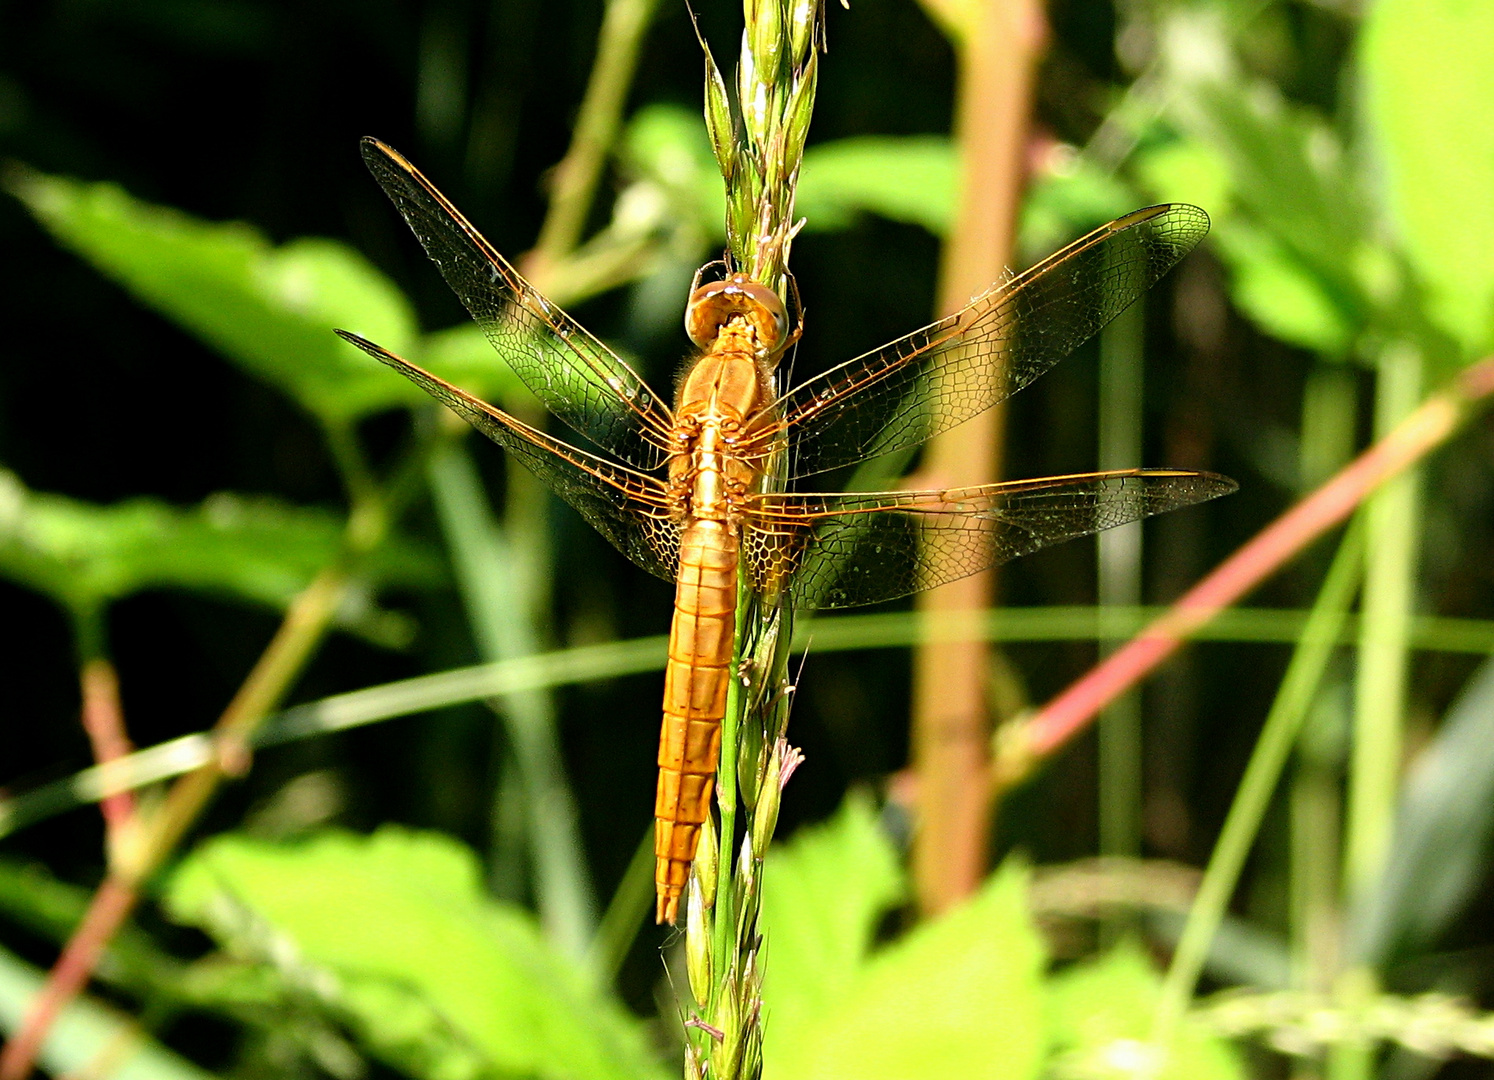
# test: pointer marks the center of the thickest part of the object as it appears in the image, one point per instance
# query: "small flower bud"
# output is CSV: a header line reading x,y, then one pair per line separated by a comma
x,y
718,119
728,1052
707,861
765,29
697,943
765,814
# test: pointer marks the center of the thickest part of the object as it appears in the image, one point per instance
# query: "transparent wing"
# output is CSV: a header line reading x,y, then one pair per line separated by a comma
x,y
628,508
860,548
578,378
917,386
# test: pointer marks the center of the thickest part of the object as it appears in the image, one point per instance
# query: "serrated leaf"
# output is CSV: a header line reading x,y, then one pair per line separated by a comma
x,y
435,977
1100,1017
269,309
823,894
960,996
911,179
84,555
1429,91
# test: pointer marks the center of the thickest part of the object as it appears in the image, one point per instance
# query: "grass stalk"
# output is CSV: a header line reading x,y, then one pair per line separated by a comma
x,y
1119,581
1278,735
591,663
1380,680
758,147
503,578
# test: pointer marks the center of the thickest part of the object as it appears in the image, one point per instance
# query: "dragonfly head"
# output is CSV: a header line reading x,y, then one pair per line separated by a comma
x,y
712,306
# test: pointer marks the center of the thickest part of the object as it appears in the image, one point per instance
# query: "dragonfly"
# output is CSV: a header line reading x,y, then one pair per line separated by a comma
x,y
680,487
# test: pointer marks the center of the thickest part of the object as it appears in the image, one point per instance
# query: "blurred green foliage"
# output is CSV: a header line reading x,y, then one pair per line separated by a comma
x,y
1350,216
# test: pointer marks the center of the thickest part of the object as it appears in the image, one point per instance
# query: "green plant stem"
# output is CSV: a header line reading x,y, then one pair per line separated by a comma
x,y
502,576
630,904
1384,645
575,178
1330,408
1119,581
615,659
723,944
1278,735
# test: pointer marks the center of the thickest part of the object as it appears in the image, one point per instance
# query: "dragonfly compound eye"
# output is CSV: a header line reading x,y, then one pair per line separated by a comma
x,y
712,306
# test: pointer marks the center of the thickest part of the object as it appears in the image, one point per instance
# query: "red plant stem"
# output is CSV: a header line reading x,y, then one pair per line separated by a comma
x,y
107,911
1432,424
306,620
103,721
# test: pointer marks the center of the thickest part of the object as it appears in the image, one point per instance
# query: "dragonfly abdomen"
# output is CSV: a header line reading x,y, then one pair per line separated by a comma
x,y
695,685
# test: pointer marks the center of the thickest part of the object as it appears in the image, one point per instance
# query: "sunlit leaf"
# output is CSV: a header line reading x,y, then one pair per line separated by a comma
x,y
823,894
432,975
269,309
1100,1016
911,179
959,996
1289,217
1429,92
1269,283
84,555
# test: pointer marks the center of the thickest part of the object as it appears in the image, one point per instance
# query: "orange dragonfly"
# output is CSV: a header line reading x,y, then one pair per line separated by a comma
x,y
682,494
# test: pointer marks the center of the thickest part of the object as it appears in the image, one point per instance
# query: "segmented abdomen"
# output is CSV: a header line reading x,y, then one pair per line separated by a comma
x,y
695,684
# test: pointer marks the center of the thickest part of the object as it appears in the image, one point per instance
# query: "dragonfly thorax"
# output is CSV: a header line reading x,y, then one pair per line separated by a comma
x,y
712,306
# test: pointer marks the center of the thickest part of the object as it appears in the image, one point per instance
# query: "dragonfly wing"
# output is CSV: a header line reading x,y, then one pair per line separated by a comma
x,y
578,378
901,394
630,509
839,551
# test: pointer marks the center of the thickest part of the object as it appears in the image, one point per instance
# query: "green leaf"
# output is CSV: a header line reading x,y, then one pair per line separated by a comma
x,y
665,144
269,309
1440,854
823,894
1100,1018
1286,299
1062,205
1428,95
961,996
1285,286
84,555
433,976
911,179
89,1039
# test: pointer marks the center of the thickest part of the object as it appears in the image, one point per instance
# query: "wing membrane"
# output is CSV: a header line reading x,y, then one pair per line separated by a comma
x,y
626,507
919,385
578,378
861,548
